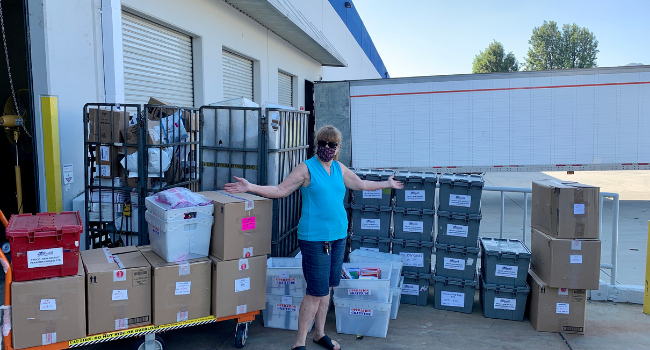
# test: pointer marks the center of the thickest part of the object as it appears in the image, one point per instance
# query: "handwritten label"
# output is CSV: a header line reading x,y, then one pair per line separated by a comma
x,y
410,289
285,281
578,209
413,226
183,288
48,338
248,224
242,284
286,307
360,312
452,299
44,257
359,292
576,259
459,200
506,271
562,308
414,196
505,304
370,224
454,264
413,259
120,294
248,252
48,304
119,275
576,245
243,264
457,230
372,194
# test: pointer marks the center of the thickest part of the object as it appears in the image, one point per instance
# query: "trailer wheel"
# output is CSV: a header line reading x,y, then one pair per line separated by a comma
x,y
6,247
159,344
241,335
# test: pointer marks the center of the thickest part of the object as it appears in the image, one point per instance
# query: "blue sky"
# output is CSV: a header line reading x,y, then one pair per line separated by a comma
x,y
434,37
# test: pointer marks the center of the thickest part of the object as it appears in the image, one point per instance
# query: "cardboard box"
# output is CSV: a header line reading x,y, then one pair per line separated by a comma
x,y
238,286
180,292
49,310
559,310
565,209
242,225
130,134
566,263
103,156
103,117
118,289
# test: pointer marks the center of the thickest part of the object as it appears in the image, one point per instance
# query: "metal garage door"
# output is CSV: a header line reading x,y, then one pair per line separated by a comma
x,y
285,89
157,63
237,76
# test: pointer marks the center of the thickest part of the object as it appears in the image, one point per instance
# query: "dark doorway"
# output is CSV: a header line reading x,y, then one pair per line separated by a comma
x,y
309,107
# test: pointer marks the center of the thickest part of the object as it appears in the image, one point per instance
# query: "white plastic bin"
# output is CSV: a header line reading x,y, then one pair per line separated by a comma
x,y
383,283
362,293
359,317
179,239
284,277
162,211
397,298
282,312
367,256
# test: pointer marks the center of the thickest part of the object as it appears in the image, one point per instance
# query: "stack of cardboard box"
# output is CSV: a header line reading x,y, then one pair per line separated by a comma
x,y
241,239
565,254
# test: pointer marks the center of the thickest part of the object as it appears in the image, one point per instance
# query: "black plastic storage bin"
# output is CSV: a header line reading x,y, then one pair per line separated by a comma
x,y
371,221
456,261
370,243
504,261
415,288
417,255
419,190
454,294
503,302
458,228
413,224
461,193
377,198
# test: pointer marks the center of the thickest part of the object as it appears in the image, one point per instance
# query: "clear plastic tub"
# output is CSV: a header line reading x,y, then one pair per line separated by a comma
x,y
367,256
359,317
284,277
179,239
162,211
282,312
397,297
368,294
383,283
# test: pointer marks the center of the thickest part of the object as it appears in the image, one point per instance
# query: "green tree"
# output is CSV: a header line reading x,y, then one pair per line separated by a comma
x,y
494,59
552,48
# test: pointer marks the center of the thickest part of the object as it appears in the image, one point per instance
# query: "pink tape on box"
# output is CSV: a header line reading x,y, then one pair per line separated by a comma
x,y
248,224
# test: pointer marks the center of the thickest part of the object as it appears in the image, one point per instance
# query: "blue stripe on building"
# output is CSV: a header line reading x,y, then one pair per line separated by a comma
x,y
353,21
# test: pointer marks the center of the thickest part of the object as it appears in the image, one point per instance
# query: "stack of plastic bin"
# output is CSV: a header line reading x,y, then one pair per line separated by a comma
x,y
459,217
363,306
396,280
285,289
372,214
414,217
504,269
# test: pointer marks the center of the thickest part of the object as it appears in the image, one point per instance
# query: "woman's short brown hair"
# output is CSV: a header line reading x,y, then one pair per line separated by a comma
x,y
329,133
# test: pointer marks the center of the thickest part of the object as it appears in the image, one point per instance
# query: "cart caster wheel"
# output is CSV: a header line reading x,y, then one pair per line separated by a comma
x,y
6,247
241,334
159,344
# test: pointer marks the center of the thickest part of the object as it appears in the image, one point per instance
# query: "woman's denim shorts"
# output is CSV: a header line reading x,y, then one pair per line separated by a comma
x,y
322,270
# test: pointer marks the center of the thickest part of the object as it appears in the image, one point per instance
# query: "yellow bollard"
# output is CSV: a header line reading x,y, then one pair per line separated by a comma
x,y
50,113
646,293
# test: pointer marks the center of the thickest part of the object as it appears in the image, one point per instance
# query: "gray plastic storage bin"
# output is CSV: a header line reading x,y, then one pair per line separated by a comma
x,y
419,190
458,228
461,193
504,261
504,302
370,243
413,224
415,289
454,294
417,255
378,198
371,221
456,261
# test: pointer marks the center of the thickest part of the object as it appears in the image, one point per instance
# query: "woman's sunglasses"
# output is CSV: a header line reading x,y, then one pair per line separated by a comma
x,y
322,143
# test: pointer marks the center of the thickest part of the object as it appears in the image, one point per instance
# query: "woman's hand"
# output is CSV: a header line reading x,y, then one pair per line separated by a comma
x,y
241,186
398,185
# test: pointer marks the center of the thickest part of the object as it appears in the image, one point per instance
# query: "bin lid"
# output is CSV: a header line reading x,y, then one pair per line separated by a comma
x,y
417,276
493,246
371,208
460,216
409,211
456,281
379,175
504,289
410,243
45,223
361,173
365,304
457,249
283,263
416,176
468,180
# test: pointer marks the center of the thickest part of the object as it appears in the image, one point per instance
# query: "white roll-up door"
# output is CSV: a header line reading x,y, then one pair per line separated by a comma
x,y
237,76
285,89
157,63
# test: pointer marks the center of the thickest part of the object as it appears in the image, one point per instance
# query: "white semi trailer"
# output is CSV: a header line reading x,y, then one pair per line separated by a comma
x,y
582,119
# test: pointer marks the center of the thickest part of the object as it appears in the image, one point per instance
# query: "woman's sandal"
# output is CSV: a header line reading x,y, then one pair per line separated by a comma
x,y
325,342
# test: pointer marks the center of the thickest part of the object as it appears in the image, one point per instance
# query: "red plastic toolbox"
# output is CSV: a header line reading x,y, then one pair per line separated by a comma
x,y
44,245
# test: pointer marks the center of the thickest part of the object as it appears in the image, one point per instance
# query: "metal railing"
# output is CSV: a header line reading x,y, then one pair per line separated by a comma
x,y
612,266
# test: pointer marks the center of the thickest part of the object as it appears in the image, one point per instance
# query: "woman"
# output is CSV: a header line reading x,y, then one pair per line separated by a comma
x,y
322,230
